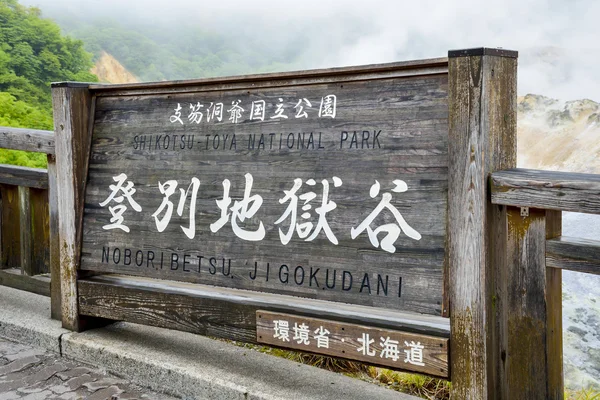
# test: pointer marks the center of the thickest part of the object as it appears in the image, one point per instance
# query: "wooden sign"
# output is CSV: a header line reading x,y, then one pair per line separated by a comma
x,y
398,350
334,190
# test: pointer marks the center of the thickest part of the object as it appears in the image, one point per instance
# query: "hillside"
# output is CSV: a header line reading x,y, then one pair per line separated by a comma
x,y
558,135
109,70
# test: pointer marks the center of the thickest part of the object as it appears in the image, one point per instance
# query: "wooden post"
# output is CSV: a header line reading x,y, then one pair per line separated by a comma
x,y
554,346
55,294
482,139
72,105
522,322
25,225
40,231
11,227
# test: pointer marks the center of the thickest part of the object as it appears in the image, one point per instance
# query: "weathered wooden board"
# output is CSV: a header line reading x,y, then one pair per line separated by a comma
x,y
72,103
23,176
11,227
388,141
552,190
554,333
40,231
54,242
482,128
395,349
226,312
26,241
27,139
575,254
12,277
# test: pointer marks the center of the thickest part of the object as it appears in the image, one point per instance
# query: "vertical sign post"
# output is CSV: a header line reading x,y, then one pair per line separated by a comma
x,y
72,105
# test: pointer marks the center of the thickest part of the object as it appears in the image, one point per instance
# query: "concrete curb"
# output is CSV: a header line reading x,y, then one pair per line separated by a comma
x,y
25,318
178,363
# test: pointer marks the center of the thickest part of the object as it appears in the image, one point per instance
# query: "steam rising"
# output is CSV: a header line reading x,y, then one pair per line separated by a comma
x,y
557,40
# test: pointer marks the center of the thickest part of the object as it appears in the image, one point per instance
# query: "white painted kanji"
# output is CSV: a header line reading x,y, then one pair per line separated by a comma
x,y
392,230
282,330
322,337
301,333
118,194
328,106
239,212
304,229
389,349
414,353
176,117
366,342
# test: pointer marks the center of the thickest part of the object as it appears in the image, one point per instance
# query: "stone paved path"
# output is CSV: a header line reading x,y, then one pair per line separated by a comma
x,y
30,373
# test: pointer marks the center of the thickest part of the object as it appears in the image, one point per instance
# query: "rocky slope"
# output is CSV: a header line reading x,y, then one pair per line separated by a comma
x,y
565,136
559,135
109,70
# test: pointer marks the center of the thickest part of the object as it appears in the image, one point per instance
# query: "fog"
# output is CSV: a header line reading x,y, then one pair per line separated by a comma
x,y
558,41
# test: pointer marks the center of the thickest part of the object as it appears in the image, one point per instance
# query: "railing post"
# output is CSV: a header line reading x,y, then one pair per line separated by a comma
x,y
522,289
11,227
40,233
554,345
26,244
55,292
72,105
482,139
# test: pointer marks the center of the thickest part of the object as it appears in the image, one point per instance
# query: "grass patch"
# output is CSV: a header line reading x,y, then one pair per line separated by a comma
x,y
414,384
582,394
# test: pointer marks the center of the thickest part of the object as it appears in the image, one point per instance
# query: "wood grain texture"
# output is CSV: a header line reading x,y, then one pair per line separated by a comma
x,y
523,338
397,69
40,231
387,348
14,278
54,241
26,231
27,139
552,190
554,331
411,114
574,254
23,176
71,108
114,296
482,120
11,227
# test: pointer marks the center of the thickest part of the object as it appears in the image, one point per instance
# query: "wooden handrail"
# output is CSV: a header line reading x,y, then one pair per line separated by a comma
x,y
575,254
23,176
27,140
549,190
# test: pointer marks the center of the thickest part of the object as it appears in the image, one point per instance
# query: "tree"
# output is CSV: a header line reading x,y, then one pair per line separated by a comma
x,y
33,54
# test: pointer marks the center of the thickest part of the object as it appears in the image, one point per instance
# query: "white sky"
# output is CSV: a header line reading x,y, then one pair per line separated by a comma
x,y
558,40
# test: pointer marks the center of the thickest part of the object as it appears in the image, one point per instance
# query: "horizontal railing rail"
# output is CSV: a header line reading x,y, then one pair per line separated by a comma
x,y
555,190
550,190
29,233
575,254
27,139
36,178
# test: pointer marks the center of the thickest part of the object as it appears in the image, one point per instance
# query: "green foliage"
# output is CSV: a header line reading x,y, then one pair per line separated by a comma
x,y
33,53
183,53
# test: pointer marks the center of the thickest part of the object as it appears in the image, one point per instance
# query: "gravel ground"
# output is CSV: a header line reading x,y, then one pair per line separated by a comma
x,y
31,373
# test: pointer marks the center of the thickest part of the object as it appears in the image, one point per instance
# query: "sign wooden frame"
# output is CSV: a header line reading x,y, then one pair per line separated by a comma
x,y
480,249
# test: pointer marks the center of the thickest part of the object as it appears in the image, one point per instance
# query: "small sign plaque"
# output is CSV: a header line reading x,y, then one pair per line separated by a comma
x,y
394,349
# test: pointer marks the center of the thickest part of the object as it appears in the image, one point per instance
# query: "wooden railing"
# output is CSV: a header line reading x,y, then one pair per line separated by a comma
x,y
28,208
552,190
542,195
